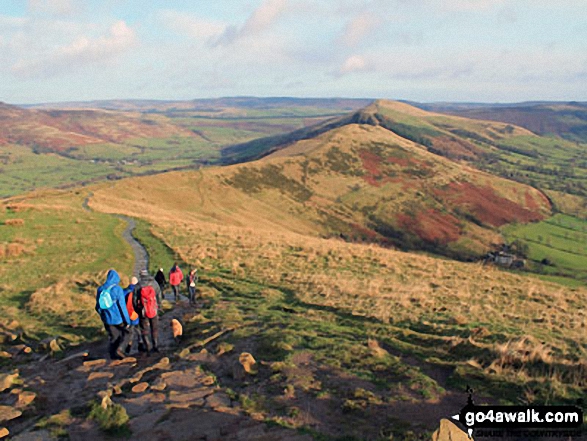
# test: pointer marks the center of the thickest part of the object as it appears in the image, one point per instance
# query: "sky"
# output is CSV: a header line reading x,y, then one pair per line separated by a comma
x,y
421,50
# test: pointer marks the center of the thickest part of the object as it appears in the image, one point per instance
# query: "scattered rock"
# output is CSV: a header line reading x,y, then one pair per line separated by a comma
x,y
106,402
159,385
20,349
449,432
162,364
140,387
218,400
208,380
50,345
7,380
188,397
125,361
8,413
95,376
24,399
95,363
4,432
187,379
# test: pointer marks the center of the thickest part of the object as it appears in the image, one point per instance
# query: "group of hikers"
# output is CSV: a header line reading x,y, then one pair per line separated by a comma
x,y
133,312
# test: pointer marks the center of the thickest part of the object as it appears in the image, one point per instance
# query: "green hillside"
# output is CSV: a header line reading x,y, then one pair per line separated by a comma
x,y
77,143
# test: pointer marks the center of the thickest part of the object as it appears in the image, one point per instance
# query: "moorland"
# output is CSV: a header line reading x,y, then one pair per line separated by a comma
x,y
342,246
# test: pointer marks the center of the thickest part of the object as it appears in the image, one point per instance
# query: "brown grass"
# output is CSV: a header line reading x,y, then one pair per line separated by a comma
x,y
14,222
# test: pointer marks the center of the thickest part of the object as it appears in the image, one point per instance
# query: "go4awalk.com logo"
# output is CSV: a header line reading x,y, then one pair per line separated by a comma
x,y
553,418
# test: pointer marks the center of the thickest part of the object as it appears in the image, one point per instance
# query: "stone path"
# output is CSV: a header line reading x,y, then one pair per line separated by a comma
x,y
165,400
141,255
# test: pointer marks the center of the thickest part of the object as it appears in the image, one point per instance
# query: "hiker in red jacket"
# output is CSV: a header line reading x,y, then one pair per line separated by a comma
x,y
175,278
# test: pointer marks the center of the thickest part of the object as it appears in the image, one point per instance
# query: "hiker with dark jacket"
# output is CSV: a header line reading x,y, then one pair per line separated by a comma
x,y
160,279
133,331
111,306
147,302
175,278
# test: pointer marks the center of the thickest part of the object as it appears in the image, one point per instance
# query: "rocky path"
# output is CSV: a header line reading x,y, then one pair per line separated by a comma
x,y
141,255
167,396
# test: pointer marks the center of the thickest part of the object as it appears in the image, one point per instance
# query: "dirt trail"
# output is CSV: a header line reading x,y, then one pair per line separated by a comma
x,y
168,395
141,255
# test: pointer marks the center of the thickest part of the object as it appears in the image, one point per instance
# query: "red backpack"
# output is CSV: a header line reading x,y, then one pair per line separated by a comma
x,y
149,301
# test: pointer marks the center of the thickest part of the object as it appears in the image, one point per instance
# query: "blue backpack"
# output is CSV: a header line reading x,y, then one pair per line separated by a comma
x,y
105,299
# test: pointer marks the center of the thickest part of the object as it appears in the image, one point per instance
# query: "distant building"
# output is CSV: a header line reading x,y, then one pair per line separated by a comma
x,y
505,259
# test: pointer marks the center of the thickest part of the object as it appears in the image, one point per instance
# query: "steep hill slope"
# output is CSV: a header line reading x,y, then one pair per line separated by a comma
x,y
358,181
554,165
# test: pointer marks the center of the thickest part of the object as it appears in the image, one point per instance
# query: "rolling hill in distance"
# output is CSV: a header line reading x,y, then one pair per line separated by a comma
x,y
339,242
74,143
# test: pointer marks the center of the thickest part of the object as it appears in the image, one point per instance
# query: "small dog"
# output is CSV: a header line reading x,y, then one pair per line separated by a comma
x,y
177,330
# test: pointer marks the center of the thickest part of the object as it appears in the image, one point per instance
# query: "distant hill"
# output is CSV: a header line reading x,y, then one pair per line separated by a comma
x,y
59,130
235,106
557,166
64,144
356,179
567,120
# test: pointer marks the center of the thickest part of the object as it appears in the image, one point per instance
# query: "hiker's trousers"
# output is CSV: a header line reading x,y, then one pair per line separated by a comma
x,y
150,326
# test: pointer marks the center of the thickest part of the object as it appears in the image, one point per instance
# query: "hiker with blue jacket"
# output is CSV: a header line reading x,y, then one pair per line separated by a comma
x,y
111,306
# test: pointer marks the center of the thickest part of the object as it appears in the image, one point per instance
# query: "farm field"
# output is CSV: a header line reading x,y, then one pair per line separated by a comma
x,y
557,245
59,146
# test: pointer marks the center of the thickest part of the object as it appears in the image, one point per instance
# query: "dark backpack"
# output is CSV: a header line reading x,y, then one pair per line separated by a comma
x,y
148,300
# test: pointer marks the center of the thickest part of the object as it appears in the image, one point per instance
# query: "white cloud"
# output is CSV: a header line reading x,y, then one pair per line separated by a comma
x,y
359,28
260,20
82,51
191,26
264,16
354,63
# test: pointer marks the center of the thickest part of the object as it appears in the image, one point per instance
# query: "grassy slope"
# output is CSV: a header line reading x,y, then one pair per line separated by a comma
x,y
365,331
52,148
52,260
359,181
554,165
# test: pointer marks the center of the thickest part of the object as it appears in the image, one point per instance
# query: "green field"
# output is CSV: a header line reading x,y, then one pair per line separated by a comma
x,y
25,167
557,246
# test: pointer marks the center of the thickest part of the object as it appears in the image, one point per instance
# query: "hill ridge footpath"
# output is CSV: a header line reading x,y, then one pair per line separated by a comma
x,y
168,397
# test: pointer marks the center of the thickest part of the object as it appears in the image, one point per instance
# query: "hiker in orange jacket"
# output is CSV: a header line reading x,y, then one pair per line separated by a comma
x,y
175,278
